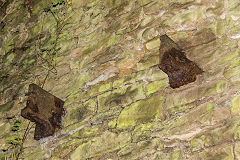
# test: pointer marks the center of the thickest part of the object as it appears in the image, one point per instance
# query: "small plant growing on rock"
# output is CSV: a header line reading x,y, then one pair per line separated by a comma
x,y
15,140
57,2
54,4
16,125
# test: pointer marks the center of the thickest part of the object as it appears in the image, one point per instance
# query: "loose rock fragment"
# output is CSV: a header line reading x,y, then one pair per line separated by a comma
x,y
45,110
175,64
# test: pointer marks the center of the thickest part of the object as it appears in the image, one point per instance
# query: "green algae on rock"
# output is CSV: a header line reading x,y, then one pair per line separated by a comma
x,y
107,72
155,86
140,111
107,142
76,113
236,105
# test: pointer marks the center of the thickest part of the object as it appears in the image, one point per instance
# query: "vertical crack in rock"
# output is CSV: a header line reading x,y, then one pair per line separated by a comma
x,y
45,110
175,64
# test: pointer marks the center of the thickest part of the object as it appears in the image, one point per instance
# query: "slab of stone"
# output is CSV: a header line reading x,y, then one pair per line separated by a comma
x,y
140,111
106,143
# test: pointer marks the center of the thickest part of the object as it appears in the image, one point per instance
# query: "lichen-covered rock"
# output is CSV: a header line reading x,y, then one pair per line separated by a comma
x,y
192,94
120,97
107,142
101,57
236,105
156,86
141,111
77,113
141,149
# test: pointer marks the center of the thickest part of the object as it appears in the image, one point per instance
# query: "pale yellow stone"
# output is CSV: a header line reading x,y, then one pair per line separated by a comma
x,y
107,142
112,124
192,94
153,44
230,73
156,86
235,105
140,111
105,87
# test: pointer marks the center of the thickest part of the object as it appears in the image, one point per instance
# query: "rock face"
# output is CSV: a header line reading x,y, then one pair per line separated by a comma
x,y
101,57
174,63
45,110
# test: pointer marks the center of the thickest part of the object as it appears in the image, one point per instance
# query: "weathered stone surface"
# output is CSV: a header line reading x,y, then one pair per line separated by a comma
x,y
237,147
189,125
120,97
141,111
192,94
204,36
66,148
87,132
223,151
5,107
113,123
77,113
140,150
147,62
236,105
156,86
154,43
99,56
45,110
107,142
4,129
180,108
36,153
231,72
124,80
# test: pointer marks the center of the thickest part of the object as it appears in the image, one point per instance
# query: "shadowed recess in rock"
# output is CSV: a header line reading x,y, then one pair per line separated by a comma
x,y
175,64
45,110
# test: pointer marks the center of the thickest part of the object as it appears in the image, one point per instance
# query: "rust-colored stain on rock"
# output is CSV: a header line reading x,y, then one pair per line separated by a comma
x,y
175,64
45,110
